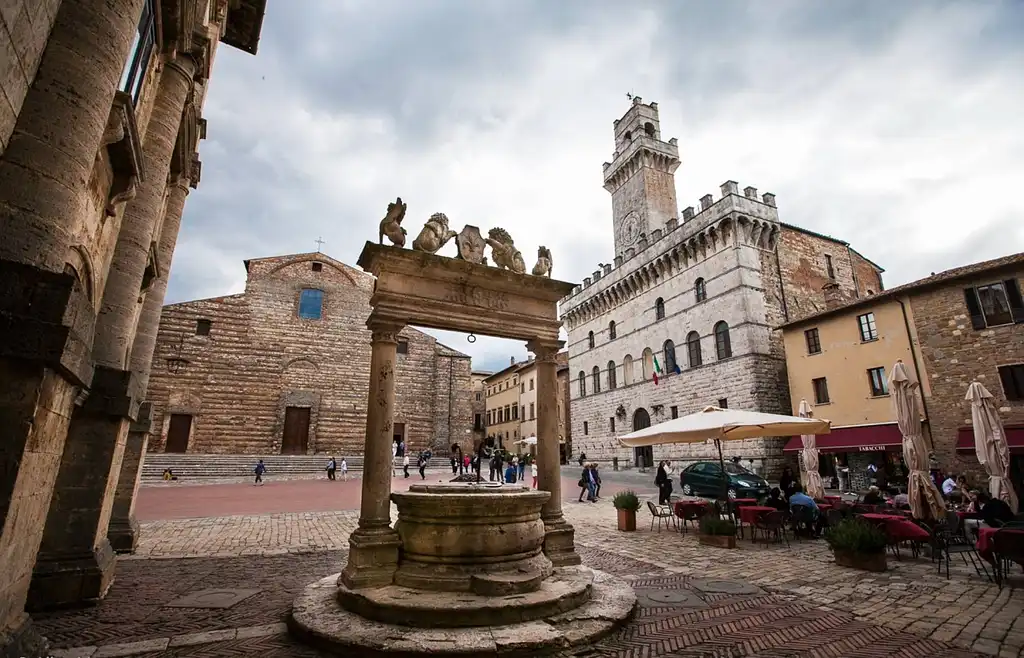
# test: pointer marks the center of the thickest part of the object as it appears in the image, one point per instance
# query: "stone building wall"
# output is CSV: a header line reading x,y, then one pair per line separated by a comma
x,y
954,354
24,28
260,357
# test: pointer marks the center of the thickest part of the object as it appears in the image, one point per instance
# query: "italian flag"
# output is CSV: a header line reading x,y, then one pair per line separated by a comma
x,y
657,370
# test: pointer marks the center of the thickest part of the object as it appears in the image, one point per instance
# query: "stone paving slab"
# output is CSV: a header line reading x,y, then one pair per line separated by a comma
x,y
908,611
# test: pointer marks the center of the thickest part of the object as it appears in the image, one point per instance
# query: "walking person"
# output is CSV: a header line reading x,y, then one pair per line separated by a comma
x,y
332,466
533,469
591,480
664,483
405,466
344,469
595,470
259,471
423,466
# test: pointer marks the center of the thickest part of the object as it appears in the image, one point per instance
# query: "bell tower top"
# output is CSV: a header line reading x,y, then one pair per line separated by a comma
x,y
641,175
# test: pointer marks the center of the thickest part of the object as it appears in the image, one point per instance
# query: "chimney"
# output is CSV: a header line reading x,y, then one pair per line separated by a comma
x,y
730,187
750,192
833,295
656,235
607,268
597,275
618,262
671,225
513,361
769,199
687,213
706,202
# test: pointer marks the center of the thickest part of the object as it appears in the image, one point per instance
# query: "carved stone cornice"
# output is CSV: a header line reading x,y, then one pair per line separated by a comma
x,y
124,148
179,19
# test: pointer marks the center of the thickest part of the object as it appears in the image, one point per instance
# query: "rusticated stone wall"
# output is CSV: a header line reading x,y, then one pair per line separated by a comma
x,y
260,357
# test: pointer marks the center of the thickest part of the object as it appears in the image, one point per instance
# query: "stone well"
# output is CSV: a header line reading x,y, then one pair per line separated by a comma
x,y
472,580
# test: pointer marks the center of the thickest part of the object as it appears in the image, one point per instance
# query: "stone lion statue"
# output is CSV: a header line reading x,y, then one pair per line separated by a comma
x,y
391,225
435,234
504,251
543,266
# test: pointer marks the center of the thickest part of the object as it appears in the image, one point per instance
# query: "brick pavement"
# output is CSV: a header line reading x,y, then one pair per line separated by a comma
x,y
806,606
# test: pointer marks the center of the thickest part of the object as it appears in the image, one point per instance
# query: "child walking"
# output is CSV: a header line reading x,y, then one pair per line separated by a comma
x,y
259,471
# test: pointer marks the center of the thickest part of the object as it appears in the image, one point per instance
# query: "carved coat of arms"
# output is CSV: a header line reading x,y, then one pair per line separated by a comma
x,y
471,244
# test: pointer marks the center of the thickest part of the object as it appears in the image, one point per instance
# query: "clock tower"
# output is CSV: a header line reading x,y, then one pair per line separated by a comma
x,y
641,176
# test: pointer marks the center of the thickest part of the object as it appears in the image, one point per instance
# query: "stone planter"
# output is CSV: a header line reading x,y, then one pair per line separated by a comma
x,y
719,541
627,520
862,561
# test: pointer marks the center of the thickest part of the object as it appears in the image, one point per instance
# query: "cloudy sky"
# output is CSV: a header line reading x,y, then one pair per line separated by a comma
x,y
898,126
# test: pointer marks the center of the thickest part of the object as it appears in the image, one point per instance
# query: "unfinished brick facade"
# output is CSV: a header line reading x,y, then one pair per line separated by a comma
x,y
100,122
956,351
715,282
248,358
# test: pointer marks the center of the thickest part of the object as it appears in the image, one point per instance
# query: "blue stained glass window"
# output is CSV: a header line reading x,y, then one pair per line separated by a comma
x,y
311,304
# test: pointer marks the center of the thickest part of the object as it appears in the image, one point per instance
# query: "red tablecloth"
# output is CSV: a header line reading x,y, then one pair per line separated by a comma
x,y
750,513
835,500
899,528
984,543
742,502
824,507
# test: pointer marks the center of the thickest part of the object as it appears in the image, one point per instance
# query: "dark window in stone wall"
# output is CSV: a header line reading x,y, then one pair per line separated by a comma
x,y
141,51
693,349
700,290
877,382
586,427
659,309
203,327
670,357
597,379
611,330
590,340
868,330
995,304
675,411
813,341
723,344
828,267
318,267
723,403
1012,377
820,390
582,379
403,346
611,375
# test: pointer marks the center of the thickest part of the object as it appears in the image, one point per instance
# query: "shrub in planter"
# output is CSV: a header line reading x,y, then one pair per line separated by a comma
x,y
857,544
716,531
626,504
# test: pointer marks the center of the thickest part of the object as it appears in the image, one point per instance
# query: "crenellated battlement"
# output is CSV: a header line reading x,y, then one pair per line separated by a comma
x,y
681,241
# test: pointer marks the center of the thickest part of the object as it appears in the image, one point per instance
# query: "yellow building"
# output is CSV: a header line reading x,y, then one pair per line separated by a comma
x,y
839,362
503,414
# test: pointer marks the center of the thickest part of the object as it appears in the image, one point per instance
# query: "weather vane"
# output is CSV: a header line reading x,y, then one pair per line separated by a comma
x,y
629,95
319,243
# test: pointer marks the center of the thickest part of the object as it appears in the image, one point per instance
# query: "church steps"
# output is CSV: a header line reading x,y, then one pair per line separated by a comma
x,y
195,465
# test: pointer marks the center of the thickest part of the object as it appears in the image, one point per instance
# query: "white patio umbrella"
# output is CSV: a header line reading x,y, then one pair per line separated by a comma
x,y
920,489
809,458
990,444
723,425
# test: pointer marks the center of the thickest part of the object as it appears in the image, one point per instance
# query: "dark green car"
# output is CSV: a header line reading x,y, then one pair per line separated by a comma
x,y
705,479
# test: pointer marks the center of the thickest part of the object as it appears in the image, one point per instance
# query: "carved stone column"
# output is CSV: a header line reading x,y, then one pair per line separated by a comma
x,y
134,253
559,534
123,532
373,546
46,319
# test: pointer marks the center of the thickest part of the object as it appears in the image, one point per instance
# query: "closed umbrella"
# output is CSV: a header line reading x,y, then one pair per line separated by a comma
x,y
925,499
809,459
990,444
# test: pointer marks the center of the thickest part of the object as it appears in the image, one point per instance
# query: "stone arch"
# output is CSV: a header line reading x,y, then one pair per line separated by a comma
x,y
641,419
81,268
309,259
300,373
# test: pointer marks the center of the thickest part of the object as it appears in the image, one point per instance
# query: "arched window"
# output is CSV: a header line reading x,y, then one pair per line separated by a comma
x,y
693,349
659,309
590,340
611,375
723,346
582,378
699,291
647,362
611,330
670,357
627,370
649,129
311,304
596,374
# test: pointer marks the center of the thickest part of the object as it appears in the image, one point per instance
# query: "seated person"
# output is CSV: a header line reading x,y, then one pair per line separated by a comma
x,y
776,500
873,496
994,512
901,499
799,499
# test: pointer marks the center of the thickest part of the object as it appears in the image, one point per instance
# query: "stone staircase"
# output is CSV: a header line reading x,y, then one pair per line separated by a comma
x,y
192,465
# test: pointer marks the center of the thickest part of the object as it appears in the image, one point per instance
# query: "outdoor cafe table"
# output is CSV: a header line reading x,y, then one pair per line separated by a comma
x,y
833,500
984,543
899,528
683,507
743,502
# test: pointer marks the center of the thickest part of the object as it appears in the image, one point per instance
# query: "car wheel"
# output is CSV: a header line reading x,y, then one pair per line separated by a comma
x,y
688,490
732,493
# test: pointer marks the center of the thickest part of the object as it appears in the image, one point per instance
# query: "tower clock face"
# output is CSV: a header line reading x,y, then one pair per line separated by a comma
x,y
631,228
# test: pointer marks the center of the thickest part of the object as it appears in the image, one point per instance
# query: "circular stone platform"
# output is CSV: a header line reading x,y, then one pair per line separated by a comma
x,y
318,619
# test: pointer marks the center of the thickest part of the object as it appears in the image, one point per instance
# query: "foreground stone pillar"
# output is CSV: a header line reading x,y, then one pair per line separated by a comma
x,y
373,546
46,321
123,532
559,535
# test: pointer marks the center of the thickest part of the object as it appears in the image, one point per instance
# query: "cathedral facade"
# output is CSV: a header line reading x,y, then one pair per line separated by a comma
x,y
686,315
283,368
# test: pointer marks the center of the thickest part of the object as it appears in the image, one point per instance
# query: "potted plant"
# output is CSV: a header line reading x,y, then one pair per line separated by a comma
x,y
858,545
716,531
626,503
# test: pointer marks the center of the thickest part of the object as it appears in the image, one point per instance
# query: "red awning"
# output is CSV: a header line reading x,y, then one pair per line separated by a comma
x,y
1014,438
866,438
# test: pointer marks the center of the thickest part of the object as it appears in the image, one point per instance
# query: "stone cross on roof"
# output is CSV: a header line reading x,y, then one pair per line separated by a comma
x,y
319,243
